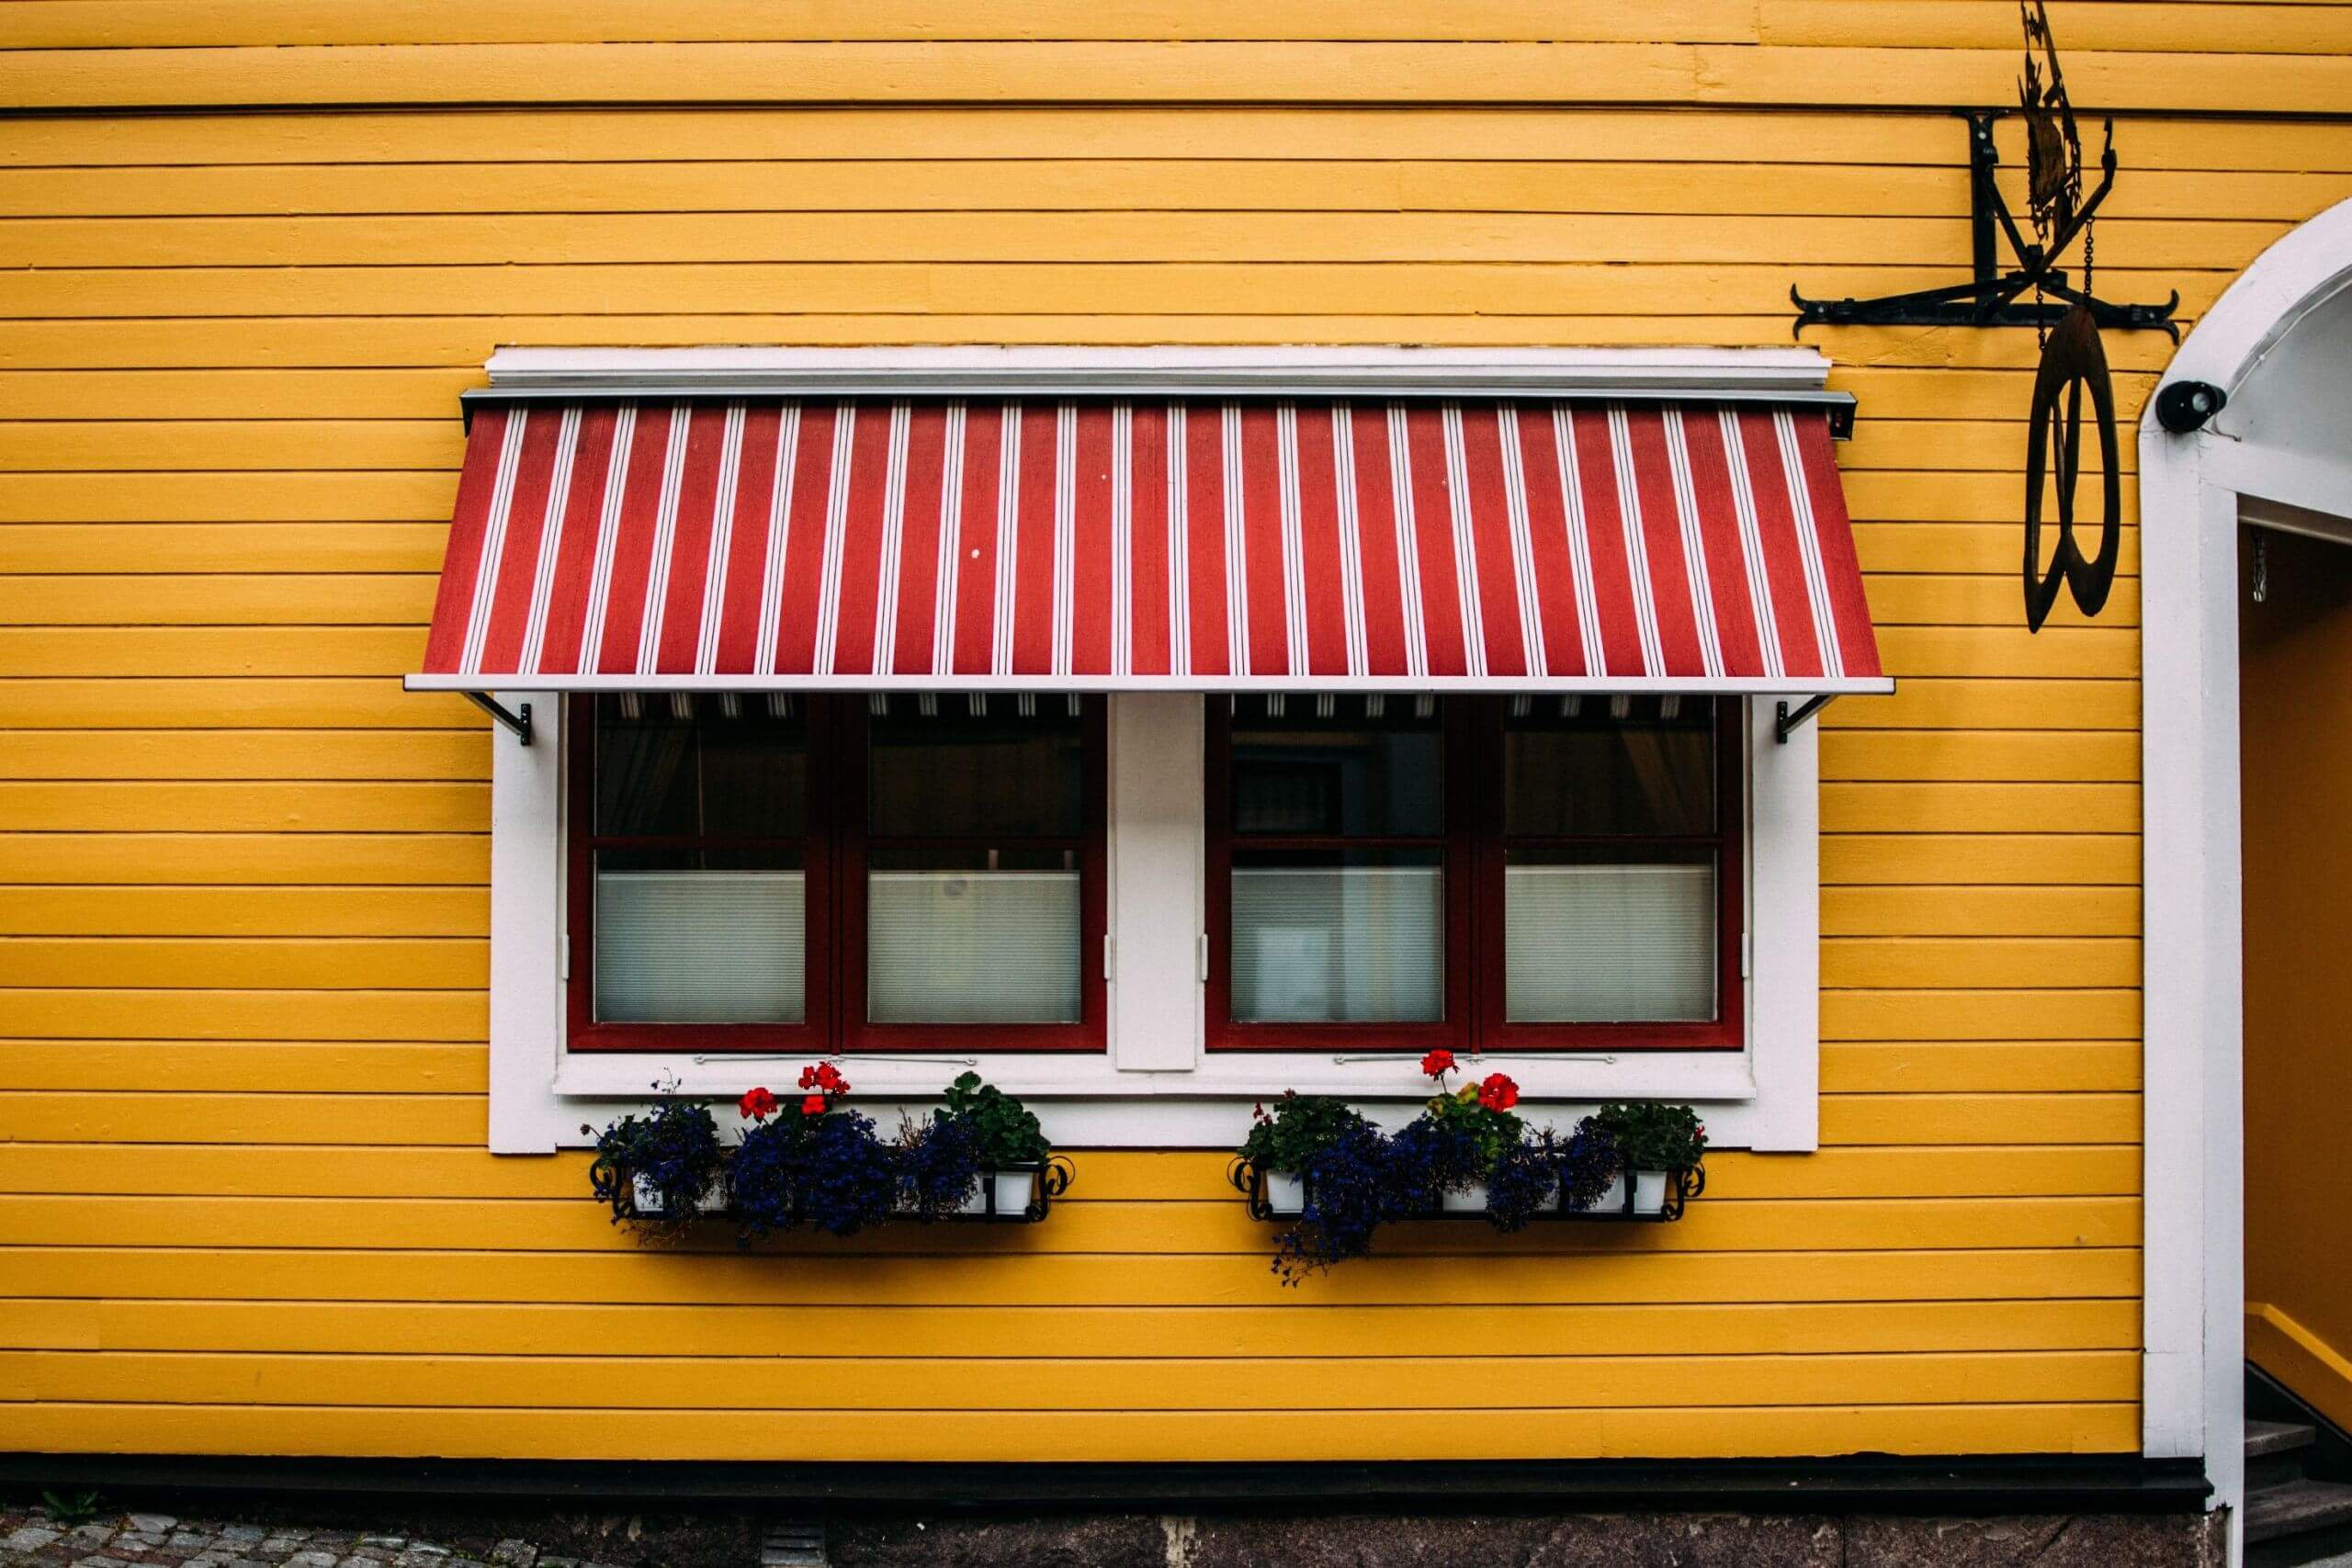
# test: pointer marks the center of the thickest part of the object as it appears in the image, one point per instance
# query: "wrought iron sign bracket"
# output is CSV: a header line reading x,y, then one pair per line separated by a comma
x,y
1991,298
1785,721
520,723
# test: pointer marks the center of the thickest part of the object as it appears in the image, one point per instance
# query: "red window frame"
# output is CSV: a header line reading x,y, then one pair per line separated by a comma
x,y
1473,856
835,920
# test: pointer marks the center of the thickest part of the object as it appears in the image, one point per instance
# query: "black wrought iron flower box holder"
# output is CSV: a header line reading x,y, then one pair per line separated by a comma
x,y
1681,1186
1052,1178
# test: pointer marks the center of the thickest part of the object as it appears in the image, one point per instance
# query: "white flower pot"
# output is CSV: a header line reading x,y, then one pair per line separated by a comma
x,y
1285,1192
1649,1192
1613,1201
1471,1200
1015,1190
977,1203
646,1197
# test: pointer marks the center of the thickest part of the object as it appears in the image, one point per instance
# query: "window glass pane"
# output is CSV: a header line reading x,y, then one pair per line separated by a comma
x,y
669,766
1590,942
679,941
1000,773
1297,774
1588,771
1339,936
972,937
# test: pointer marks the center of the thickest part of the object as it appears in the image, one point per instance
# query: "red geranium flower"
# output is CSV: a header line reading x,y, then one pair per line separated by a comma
x,y
1438,1063
813,1106
1498,1093
757,1104
829,1079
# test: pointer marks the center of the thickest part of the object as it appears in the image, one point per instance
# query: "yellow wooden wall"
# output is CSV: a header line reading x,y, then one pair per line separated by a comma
x,y
243,1200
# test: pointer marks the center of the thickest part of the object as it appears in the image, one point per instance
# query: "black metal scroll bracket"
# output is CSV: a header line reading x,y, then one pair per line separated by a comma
x,y
1991,296
520,723
1784,721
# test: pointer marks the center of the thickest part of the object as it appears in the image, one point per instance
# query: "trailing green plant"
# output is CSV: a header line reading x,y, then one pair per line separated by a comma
x,y
672,1150
1299,1127
1005,1131
1653,1136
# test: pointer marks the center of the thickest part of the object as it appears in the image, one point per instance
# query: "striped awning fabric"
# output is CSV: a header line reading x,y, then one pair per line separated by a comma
x,y
1100,545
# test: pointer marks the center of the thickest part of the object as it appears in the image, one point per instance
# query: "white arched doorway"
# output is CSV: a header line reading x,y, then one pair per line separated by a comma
x,y
2280,343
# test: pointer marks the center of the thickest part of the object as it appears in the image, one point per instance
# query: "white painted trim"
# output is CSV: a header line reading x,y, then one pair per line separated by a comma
x,y
1048,370
1156,893
1156,1088
1608,685
2193,1172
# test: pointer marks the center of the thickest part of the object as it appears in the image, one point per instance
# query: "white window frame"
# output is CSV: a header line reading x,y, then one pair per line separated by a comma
x,y
1154,1085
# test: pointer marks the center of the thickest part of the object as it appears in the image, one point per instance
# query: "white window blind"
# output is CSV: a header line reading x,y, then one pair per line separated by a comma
x,y
700,947
1316,944
972,947
1608,943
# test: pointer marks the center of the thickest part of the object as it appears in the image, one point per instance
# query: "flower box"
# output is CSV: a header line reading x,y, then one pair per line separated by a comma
x,y
1285,1192
1014,1190
646,1199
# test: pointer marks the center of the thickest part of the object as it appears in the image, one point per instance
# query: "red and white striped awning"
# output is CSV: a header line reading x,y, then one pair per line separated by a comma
x,y
1516,545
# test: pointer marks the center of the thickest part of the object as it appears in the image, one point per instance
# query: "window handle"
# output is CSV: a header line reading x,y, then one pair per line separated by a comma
x,y
1110,957
1201,958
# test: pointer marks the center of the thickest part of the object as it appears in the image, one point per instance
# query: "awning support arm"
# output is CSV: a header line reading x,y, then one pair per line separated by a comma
x,y
520,723
1783,721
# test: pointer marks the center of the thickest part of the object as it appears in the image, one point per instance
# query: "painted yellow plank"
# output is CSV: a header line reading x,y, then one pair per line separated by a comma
x,y
1141,72
1848,963
241,965
389,1119
2076,756
371,702
1140,1437
245,911
1962,910
1951,703
1022,236
300,599
259,1015
1974,548
341,445
1991,1118
222,808
297,1170
73,24
1946,1067
326,1066
249,754
1237,1382
820,133
286,310
1980,1015
819,1273
718,1329
1920,599
516,1225
400,393
2051,859
186,547
245,858
1978,809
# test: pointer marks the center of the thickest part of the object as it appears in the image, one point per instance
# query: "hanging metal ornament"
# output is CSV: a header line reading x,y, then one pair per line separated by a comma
x,y
2073,363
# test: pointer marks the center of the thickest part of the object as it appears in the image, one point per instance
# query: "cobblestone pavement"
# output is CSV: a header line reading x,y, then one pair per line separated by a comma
x,y
28,1539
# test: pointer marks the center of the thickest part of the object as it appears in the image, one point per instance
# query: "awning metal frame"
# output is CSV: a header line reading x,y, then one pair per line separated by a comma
x,y
1784,721
519,722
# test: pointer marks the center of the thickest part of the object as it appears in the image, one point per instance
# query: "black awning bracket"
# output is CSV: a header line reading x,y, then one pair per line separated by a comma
x,y
520,723
1784,721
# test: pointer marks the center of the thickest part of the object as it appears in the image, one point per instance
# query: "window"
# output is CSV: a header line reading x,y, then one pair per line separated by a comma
x,y
808,873
1499,873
